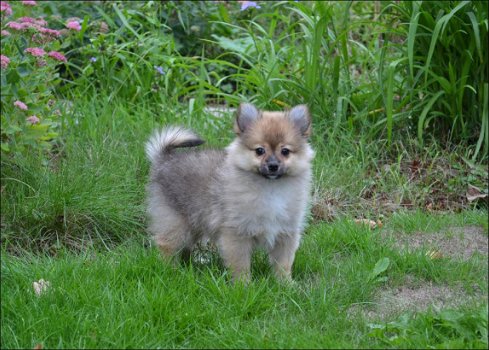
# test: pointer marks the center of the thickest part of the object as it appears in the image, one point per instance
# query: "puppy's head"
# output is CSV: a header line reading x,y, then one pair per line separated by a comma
x,y
272,144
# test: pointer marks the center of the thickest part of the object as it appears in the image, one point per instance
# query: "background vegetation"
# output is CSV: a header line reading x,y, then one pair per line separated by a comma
x,y
399,97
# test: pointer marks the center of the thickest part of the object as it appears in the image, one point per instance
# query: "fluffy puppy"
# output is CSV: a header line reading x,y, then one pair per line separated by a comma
x,y
253,193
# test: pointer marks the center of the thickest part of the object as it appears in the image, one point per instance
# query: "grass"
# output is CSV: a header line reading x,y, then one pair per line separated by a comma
x,y
77,218
78,222
92,189
128,297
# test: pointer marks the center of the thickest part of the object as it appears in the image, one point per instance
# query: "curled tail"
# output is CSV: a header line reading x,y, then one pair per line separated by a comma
x,y
162,142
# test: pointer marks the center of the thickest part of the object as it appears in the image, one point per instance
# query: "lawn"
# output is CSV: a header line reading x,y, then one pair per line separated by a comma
x,y
127,298
395,253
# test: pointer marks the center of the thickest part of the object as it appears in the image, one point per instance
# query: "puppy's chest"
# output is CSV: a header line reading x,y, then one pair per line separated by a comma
x,y
268,211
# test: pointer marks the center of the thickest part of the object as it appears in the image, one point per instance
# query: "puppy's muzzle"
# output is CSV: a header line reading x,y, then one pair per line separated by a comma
x,y
272,168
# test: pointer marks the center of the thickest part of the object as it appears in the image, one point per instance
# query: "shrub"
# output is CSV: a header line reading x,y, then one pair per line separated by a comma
x,y
31,110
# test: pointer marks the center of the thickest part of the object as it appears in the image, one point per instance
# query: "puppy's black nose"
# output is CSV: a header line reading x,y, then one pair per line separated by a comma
x,y
272,167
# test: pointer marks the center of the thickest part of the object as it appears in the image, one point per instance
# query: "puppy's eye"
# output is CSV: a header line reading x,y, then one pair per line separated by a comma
x,y
285,151
260,151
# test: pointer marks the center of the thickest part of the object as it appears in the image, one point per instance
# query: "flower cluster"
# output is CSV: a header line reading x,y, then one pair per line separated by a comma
x,y
74,25
35,51
57,56
4,61
28,43
5,8
21,105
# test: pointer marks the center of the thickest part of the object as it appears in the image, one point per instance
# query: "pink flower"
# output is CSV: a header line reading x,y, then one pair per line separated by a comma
x,y
50,32
35,51
21,105
57,56
26,20
5,33
5,7
36,21
16,26
29,3
74,25
4,61
33,120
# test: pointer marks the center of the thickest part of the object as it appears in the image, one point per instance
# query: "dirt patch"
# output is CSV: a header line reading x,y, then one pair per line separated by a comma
x,y
416,297
454,242
413,295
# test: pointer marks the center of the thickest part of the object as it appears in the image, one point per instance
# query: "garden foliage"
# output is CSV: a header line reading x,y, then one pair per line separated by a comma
x,y
383,70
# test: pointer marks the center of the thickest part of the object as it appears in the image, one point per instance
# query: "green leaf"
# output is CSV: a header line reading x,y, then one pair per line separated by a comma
x,y
13,76
475,26
413,26
424,113
381,266
124,21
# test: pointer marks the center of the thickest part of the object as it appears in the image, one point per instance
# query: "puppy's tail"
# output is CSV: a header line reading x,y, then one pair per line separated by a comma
x,y
164,141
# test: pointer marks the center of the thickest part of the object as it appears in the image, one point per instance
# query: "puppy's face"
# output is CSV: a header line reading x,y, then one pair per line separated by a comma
x,y
272,144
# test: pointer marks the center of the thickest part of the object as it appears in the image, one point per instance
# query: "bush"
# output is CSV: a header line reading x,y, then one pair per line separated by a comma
x,y
31,109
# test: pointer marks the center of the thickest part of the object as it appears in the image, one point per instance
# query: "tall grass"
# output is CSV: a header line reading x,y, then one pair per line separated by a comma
x,y
447,70
378,70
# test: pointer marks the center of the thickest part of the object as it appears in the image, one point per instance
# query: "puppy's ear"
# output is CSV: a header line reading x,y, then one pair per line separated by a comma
x,y
246,115
300,116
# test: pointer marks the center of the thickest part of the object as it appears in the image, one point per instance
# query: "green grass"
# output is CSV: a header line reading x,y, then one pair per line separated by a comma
x,y
75,215
127,297
92,189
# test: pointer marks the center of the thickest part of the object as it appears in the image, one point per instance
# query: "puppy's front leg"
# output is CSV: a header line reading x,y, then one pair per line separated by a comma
x,y
236,251
282,255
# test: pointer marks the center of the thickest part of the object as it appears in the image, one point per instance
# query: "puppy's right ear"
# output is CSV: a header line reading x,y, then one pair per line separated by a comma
x,y
246,115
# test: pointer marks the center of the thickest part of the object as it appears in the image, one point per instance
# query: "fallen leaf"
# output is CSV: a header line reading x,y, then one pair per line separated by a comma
x,y
434,254
40,286
473,193
370,223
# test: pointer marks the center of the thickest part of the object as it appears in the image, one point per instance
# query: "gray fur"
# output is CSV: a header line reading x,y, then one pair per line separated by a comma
x,y
220,195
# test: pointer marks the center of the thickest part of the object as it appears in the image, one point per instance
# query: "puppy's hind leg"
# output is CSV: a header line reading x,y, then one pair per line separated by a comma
x,y
170,231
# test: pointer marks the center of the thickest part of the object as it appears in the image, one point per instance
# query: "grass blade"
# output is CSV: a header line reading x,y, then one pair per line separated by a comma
x,y
475,26
423,115
389,101
413,26
484,133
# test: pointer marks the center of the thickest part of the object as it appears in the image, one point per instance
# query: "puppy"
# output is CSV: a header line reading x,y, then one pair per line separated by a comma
x,y
253,193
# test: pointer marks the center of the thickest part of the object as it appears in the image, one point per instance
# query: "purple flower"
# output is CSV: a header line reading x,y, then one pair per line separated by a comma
x,y
17,26
74,25
5,7
57,56
247,4
160,70
93,59
33,120
4,61
35,51
21,105
50,32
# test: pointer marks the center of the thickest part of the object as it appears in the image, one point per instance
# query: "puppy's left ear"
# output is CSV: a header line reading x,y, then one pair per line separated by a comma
x,y
301,118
